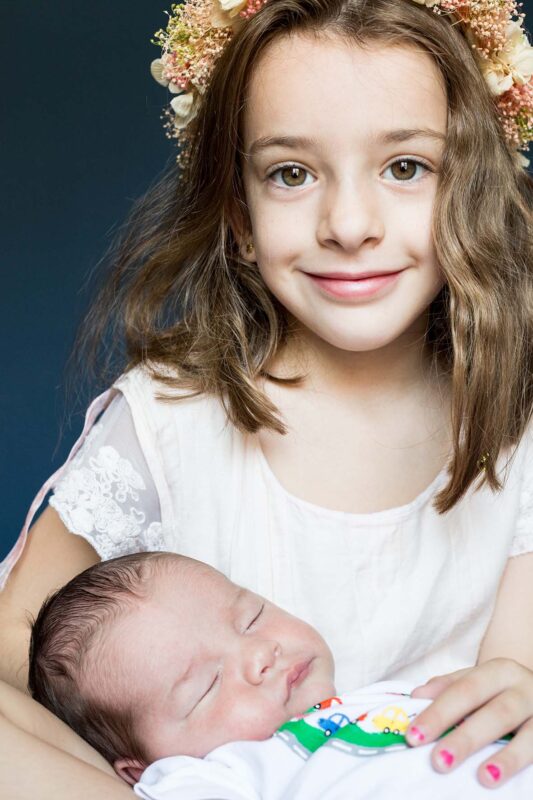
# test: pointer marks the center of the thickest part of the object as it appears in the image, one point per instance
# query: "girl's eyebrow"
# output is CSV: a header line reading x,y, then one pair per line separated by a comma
x,y
385,137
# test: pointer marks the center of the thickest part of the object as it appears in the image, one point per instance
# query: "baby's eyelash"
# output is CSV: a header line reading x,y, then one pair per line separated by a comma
x,y
256,617
217,676
420,162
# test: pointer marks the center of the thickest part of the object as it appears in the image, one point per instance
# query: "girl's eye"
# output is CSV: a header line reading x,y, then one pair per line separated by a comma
x,y
252,623
292,175
403,170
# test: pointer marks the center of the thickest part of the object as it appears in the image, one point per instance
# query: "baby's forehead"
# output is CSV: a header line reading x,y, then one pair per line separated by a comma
x,y
185,569
193,584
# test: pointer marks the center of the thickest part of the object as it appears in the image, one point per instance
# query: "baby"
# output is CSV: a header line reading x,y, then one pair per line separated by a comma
x,y
156,657
141,654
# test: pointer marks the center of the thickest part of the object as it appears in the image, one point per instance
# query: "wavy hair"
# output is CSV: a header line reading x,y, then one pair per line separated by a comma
x,y
181,297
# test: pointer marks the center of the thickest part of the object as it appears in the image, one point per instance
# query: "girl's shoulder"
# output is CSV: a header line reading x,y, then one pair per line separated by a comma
x,y
160,403
182,434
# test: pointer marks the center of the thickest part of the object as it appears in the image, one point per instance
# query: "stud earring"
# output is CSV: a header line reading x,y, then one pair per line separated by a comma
x,y
249,247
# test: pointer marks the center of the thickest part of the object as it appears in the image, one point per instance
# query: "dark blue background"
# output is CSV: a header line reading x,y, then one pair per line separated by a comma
x,y
80,138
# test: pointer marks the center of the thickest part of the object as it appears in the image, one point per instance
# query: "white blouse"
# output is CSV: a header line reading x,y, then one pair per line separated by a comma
x,y
403,593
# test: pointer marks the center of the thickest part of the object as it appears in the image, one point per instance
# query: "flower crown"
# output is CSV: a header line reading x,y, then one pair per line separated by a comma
x,y
198,31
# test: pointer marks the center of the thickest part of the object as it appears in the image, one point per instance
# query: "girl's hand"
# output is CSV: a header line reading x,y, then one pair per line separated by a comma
x,y
486,702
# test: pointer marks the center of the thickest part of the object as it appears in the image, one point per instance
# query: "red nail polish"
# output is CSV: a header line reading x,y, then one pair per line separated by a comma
x,y
416,733
494,771
446,757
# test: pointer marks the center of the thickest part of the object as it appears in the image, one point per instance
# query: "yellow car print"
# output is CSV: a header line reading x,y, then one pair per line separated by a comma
x,y
391,719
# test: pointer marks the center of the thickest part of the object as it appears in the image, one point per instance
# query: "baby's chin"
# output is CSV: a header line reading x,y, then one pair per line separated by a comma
x,y
313,694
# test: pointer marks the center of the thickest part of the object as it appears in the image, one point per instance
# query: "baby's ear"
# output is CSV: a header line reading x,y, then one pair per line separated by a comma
x,y
129,769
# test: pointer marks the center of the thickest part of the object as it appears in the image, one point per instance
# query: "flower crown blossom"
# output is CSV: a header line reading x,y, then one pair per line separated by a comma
x,y
198,31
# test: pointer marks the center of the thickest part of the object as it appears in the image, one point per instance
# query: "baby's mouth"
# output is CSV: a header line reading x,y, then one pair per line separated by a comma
x,y
297,675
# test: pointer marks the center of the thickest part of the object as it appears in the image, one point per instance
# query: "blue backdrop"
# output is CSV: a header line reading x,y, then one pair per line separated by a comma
x,y
81,138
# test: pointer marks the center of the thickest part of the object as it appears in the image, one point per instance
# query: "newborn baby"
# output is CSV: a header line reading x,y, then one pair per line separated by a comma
x,y
155,654
157,659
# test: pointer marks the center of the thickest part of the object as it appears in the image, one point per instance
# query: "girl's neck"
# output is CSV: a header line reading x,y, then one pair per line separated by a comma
x,y
404,365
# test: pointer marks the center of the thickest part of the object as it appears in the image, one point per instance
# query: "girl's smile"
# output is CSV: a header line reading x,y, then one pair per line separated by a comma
x,y
354,287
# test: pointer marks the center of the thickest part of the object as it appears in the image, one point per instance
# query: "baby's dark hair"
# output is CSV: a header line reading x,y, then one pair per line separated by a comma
x,y
64,645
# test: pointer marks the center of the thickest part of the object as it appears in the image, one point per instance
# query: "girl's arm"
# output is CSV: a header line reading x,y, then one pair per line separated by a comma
x,y
31,768
22,712
510,632
52,557
39,755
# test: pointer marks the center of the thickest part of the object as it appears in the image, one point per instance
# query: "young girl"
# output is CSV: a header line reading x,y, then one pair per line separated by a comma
x,y
328,392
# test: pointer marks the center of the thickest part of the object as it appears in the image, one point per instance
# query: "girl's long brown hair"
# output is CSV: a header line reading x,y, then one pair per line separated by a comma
x,y
181,297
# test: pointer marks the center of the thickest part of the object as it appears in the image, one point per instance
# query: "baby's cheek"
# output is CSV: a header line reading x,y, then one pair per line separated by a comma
x,y
255,721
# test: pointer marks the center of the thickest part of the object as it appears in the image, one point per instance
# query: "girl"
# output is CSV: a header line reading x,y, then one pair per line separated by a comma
x,y
328,391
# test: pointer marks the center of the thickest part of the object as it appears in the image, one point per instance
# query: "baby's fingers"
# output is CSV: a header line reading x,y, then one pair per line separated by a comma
x,y
512,758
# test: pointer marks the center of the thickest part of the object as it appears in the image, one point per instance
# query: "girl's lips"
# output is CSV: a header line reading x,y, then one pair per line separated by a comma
x,y
349,287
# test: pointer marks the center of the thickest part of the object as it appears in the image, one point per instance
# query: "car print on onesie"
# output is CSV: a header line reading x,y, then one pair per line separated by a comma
x,y
379,730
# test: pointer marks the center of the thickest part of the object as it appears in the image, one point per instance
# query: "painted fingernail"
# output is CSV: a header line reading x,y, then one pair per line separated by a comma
x,y
416,733
494,771
446,758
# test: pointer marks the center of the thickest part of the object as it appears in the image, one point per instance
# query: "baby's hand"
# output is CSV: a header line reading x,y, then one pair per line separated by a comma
x,y
497,698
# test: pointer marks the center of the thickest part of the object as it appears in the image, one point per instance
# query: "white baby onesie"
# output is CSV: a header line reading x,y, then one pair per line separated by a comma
x,y
347,748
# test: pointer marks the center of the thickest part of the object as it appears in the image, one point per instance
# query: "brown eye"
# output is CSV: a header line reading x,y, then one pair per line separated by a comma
x,y
294,176
291,174
405,169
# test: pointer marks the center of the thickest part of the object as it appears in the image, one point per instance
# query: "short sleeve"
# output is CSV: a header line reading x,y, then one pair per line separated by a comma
x,y
106,493
523,539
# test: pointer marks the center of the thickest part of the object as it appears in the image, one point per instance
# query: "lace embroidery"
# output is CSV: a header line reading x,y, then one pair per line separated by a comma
x,y
90,500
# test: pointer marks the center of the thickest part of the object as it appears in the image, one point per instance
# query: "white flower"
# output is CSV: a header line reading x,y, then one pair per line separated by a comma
x,y
428,3
184,108
521,160
224,13
232,7
156,68
514,63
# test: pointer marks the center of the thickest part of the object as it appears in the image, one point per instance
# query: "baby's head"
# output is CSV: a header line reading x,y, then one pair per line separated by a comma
x,y
155,654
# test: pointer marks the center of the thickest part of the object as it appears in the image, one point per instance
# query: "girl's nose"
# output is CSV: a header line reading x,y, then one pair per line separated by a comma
x,y
351,214
260,656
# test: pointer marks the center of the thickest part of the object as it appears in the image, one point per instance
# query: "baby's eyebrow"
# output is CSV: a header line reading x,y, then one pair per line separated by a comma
x,y
385,137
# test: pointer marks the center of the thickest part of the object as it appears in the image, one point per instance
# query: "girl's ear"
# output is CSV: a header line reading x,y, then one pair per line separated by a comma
x,y
241,229
129,769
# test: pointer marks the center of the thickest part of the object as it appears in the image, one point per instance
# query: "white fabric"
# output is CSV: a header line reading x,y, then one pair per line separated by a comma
x,y
358,760
403,593
107,494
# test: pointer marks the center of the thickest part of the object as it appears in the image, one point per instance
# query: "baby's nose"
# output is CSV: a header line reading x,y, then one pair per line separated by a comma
x,y
260,657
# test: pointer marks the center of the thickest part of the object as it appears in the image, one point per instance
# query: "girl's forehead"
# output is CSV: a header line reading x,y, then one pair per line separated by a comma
x,y
330,83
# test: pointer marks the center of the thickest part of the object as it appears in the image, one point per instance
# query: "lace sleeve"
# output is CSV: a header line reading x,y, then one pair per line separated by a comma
x,y
106,493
